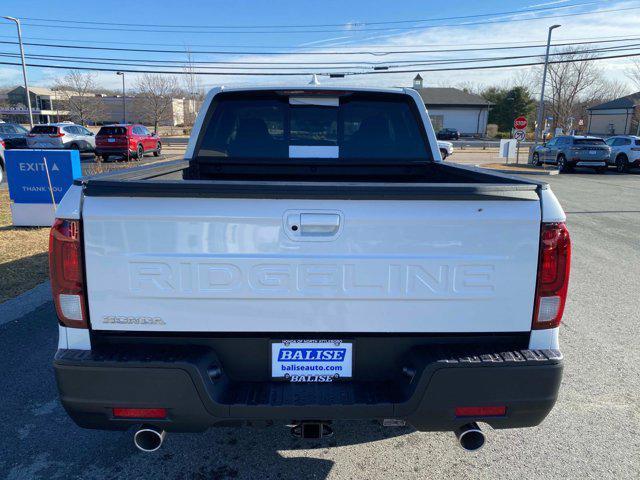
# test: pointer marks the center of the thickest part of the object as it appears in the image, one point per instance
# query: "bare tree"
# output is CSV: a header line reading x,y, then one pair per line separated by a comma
x,y
193,90
528,78
155,94
471,87
76,90
570,83
633,73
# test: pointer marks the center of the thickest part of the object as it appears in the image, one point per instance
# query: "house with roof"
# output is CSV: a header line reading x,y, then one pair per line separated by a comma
x,y
617,117
454,108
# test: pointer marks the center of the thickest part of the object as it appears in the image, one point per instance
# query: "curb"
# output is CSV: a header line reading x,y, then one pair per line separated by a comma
x,y
25,303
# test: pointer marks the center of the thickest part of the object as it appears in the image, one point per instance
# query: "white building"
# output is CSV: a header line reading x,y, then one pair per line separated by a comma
x,y
617,117
454,108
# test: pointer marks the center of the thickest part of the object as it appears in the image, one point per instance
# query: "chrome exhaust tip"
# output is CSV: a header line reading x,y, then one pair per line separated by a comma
x,y
149,438
470,437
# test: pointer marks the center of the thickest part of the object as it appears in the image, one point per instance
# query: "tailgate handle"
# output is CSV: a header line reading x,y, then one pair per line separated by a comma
x,y
319,223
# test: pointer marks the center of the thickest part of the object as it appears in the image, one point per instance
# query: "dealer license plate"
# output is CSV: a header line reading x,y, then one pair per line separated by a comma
x,y
311,360
111,140
592,152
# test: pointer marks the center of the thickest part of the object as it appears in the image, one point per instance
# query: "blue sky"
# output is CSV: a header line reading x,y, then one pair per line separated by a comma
x,y
344,32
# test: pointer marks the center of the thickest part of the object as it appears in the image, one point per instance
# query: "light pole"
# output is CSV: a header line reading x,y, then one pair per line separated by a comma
x,y
124,100
544,80
24,68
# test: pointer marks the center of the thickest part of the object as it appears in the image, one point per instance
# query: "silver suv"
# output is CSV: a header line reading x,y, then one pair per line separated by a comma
x,y
569,151
61,135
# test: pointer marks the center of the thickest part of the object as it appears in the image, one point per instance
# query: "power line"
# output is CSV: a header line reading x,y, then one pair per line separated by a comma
x,y
321,25
383,53
283,31
333,62
374,72
186,47
314,65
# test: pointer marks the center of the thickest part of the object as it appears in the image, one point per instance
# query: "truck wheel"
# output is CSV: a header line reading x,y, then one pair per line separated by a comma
x,y
536,159
139,152
443,152
158,150
622,164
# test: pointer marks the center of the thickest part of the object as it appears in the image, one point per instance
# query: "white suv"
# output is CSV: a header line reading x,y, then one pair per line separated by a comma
x,y
625,152
61,135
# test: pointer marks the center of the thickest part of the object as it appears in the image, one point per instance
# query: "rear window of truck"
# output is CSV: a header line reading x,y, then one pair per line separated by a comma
x,y
348,126
112,131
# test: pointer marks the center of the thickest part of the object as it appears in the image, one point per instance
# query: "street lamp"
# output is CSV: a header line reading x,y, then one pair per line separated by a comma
x,y
24,68
124,99
544,79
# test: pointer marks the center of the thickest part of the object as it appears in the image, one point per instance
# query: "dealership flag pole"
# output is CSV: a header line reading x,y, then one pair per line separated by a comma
x,y
24,69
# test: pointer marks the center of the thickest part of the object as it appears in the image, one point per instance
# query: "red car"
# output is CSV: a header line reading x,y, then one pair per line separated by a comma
x,y
129,141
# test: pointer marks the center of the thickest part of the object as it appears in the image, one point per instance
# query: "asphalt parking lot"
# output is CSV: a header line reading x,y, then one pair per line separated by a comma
x,y
592,432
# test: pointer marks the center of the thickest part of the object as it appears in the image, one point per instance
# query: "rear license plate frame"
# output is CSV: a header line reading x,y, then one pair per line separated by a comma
x,y
311,360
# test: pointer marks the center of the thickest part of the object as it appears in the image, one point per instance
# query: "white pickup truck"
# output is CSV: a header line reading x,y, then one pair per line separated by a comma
x,y
311,259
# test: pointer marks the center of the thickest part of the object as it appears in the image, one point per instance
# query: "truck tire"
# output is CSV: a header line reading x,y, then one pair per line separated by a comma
x,y
139,152
158,150
622,164
443,152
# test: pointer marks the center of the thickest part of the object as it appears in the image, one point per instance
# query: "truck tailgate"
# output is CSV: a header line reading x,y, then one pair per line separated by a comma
x,y
295,265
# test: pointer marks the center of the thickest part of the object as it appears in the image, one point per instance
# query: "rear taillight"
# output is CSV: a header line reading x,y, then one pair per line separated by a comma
x,y
57,135
156,413
67,273
493,411
2,144
31,134
553,275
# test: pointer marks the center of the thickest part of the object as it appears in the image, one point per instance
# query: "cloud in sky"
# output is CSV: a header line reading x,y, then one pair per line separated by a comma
x,y
605,24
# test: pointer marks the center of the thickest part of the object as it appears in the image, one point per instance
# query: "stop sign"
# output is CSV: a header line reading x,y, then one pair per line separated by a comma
x,y
520,123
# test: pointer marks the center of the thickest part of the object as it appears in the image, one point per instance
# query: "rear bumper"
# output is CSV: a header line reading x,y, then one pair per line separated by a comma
x,y
120,150
193,385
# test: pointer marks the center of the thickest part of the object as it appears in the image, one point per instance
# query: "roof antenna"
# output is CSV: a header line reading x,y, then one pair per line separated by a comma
x,y
314,80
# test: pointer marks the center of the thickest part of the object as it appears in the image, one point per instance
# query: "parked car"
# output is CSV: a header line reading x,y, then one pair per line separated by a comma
x,y
625,152
64,135
264,279
446,149
13,135
448,134
569,151
127,140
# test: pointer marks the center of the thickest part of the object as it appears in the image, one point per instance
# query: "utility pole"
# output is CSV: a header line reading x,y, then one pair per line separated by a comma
x,y
24,68
124,99
544,80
